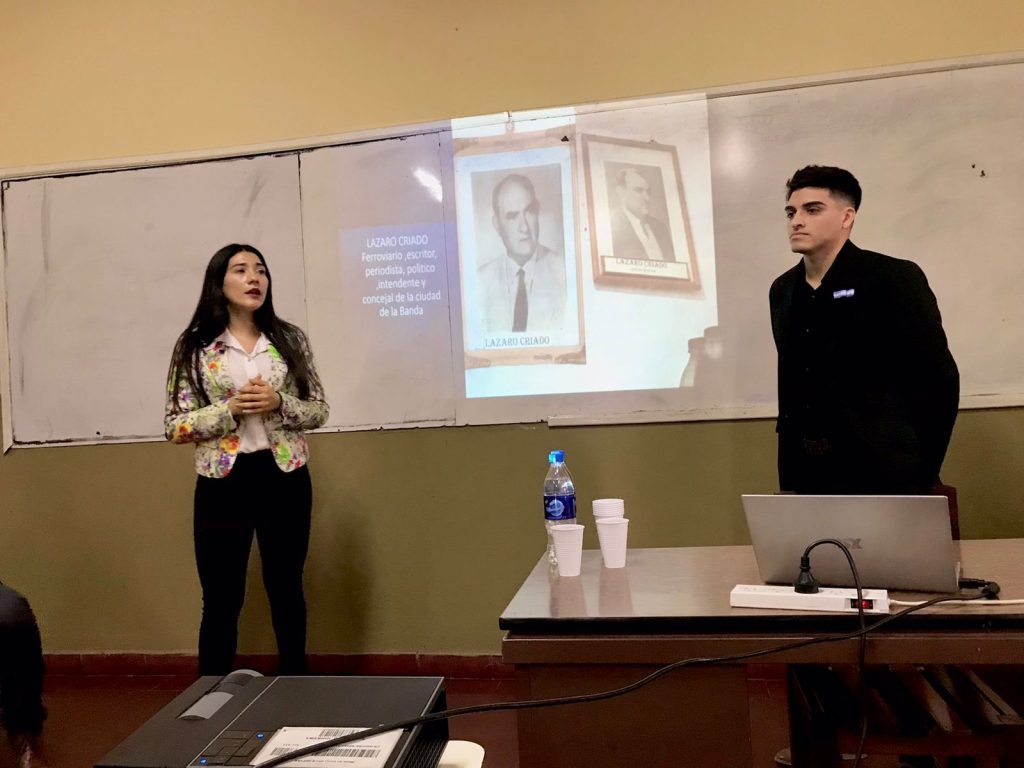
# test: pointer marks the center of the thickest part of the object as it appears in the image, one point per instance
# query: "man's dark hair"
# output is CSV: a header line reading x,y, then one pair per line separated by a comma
x,y
840,182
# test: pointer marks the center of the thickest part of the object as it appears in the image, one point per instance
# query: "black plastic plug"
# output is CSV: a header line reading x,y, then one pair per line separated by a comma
x,y
805,583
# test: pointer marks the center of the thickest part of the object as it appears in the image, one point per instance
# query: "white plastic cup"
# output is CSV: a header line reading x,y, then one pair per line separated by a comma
x,y
612,533
568,548
609,508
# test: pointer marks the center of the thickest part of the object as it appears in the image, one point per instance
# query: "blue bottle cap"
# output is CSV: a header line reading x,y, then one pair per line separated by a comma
x,y
554,456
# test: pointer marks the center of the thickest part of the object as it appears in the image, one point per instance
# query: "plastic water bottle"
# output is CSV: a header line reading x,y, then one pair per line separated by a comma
x,y
559,498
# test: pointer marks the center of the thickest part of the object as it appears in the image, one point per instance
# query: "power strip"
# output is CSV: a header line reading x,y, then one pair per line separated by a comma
x,y
825,599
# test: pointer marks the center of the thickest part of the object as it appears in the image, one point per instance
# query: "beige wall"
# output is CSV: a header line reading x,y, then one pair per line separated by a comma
x,y
420,536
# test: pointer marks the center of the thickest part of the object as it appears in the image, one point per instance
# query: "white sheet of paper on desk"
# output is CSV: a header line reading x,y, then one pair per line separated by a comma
x,y
365,753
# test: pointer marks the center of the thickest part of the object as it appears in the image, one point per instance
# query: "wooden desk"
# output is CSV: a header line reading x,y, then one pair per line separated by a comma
x,y
608,628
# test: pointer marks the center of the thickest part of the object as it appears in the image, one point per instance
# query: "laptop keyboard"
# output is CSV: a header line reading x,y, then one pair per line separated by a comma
x,y
233,748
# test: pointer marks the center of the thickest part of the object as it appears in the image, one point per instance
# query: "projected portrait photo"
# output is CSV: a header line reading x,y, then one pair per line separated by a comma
x,y
640,232
521,285
518,258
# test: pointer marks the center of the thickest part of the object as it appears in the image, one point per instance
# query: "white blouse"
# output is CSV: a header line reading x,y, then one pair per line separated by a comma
x,y
242,366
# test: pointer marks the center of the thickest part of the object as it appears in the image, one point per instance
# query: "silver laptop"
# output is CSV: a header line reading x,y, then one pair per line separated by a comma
x,y
897,542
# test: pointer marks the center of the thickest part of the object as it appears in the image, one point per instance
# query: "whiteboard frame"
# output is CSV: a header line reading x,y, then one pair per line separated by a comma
x,y
6,407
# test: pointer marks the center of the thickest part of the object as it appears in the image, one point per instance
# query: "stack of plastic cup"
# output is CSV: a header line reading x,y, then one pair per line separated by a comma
x,y
568,541
609,508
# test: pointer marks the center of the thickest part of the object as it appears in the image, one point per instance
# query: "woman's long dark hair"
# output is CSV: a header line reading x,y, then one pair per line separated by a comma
x,y
211,318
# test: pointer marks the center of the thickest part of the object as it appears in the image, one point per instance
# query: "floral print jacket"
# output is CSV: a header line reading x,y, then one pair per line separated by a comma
x,y
214,430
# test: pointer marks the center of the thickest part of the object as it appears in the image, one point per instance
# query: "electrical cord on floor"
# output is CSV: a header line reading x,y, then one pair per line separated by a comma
x,y
589,697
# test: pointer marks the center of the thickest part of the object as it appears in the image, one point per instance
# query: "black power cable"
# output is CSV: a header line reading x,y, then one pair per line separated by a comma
x,y
806,584
588,697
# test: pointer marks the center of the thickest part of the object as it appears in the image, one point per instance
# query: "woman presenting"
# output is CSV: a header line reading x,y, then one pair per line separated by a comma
x,y
242,387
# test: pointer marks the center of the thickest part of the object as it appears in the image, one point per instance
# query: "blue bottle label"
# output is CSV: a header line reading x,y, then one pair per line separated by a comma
x,y
560,508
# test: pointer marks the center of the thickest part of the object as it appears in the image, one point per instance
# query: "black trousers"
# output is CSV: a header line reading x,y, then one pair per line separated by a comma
x,y
255,497
21,666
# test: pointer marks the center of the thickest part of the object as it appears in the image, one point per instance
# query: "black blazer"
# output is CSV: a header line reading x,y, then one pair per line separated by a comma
x,y
893,387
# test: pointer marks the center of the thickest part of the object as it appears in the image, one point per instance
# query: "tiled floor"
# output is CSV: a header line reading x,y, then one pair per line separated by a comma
x,y
91,714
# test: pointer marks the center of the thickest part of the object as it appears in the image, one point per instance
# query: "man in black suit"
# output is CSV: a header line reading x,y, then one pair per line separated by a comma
x,y
636,234
868,390
21,679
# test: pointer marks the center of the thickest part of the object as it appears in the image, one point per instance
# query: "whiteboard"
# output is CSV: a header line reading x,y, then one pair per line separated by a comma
x,y
103,272
940,158
377,282
369,246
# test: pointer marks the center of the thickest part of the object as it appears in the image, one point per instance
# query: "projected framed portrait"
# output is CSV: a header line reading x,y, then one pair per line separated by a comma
x,y
639,226
519,264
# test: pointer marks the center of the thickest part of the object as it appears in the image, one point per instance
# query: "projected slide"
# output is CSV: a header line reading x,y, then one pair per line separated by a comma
x,y
548,266
400,273
586,252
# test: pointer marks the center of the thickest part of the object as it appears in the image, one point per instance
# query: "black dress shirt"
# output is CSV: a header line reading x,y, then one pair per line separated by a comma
x,y
865,375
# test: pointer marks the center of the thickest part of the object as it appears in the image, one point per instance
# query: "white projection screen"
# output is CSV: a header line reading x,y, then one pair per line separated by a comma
x,y
577,265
